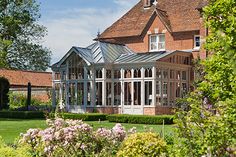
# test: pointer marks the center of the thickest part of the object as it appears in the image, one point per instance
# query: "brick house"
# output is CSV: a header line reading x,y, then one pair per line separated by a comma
x,y
139,65
41,82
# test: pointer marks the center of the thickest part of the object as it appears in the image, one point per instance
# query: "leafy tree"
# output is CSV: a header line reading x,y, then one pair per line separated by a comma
x,y
20,36
208,126
4,89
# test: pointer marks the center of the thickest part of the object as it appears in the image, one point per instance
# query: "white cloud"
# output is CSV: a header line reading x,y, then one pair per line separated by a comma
x,y
77,27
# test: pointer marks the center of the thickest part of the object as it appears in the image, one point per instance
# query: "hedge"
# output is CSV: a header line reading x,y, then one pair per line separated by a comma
x,y
85,117
140,119
22,114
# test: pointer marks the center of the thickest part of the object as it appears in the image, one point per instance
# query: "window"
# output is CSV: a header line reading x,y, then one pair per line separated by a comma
x,y
148,72
108,94
197,41
157,42
98,73
98,93
108,73
117,93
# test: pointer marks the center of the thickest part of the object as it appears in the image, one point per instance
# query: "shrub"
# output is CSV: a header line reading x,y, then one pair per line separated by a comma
x,y
22,114
74,138
84,117
140,119
8,151
4,89
142,144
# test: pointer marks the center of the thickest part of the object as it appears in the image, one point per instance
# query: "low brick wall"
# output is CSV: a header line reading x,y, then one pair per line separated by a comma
x,y
157,110
160,110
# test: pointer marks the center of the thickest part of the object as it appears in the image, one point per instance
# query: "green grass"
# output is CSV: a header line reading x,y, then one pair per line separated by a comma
x,y
11,128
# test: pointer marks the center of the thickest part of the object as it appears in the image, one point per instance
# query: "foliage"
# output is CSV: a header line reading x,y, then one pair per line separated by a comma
x,y
140,119
22,114
8,151
17,101
85,117
20,36
208,127
74,138
4,89
142,144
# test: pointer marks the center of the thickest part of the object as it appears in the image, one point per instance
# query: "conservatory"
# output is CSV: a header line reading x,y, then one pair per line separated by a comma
x,y
111,78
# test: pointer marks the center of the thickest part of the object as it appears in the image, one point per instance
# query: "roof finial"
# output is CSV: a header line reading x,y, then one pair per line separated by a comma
x,y
98,34
155,3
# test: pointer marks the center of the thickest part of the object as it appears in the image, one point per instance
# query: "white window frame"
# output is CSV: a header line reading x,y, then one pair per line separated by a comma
x,y
197,47
157,42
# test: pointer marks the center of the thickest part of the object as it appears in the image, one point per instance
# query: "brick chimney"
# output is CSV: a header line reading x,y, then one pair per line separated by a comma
x,y
147,3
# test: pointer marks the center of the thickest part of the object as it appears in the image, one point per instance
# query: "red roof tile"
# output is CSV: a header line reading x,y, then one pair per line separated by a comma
x,y
177,15
21,78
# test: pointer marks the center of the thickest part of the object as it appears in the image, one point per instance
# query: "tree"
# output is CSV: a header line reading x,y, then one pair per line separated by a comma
x,y
208,126
4,89
20,36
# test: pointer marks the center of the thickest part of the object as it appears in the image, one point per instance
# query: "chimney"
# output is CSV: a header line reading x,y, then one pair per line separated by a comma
x,y
147,3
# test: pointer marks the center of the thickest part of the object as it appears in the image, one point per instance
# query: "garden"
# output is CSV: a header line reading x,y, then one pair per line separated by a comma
x,y
204,123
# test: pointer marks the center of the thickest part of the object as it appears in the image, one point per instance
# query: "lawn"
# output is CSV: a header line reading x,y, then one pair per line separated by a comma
x,y
11,128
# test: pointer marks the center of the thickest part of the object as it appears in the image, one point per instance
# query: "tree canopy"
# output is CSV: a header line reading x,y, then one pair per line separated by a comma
x,y
208,126
21,35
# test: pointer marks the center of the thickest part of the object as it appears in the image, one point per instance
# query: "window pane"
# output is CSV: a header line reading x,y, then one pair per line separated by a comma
x,y
184,75
165,93
137,73
153,46
158,93
127,73
99,93
154,38
137,93
127,93
80,93
148,93
108,94
161,46
89,94
117,74
117,93
148,72
162,38
108,73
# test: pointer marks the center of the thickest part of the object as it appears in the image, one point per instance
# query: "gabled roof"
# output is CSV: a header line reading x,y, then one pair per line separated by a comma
x,y
176,15
21,78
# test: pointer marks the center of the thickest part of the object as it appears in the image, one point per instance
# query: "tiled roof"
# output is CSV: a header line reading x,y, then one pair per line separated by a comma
x,y
177,16
21,78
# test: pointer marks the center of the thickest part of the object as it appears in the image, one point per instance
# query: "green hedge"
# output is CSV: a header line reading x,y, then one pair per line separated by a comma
x,y
140,119
84,117
22,114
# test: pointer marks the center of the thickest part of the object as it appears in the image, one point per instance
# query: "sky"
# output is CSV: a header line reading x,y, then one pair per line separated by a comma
x,y
77,22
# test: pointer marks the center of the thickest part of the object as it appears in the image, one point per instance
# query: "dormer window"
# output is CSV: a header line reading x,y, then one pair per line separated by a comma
x,y
197,41
157,42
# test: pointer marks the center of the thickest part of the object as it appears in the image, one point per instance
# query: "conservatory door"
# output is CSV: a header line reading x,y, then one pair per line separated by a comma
x,y
132,98
76,97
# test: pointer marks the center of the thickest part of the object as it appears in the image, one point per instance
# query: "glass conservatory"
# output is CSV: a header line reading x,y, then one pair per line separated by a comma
x,y
110,78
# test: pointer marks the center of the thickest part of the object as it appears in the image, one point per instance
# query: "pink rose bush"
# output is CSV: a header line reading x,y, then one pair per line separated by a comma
x,y
74,138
